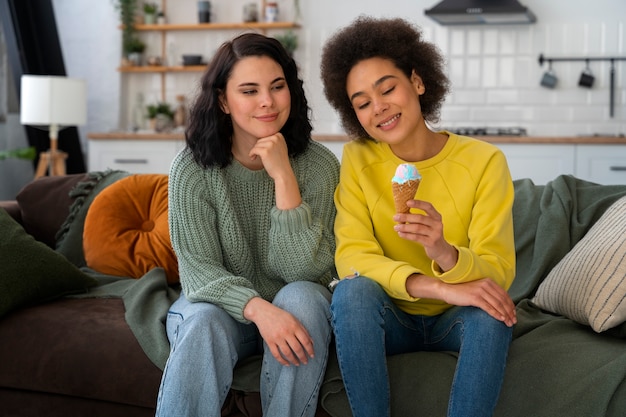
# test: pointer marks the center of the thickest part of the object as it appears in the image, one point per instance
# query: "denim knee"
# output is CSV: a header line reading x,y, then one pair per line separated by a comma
x,y
356,294
304,298
479,322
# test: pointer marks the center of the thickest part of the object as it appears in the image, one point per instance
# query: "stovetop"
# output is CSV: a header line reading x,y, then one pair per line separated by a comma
x,y
488,131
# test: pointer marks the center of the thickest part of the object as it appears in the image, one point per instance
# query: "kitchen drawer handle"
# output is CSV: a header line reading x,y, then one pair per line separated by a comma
x,y
618,168
130,161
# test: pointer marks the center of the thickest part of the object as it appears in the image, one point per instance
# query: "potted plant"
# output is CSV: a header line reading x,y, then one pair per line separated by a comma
x,y
127,10
161,18
22,153
160,115
149,13
289,40
135,51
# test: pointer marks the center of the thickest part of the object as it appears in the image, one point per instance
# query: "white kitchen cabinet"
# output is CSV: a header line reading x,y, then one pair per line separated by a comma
x,y
604,164
539,162
107,151
136,156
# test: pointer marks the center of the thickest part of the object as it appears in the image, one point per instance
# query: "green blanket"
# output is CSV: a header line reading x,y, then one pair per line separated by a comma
x,y
555,368
548,222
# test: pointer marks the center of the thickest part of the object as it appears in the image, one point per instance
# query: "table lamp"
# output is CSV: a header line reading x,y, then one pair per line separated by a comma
x,y
52,103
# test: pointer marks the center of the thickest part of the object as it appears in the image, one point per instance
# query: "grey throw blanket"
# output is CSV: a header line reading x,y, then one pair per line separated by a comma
x,y
549,220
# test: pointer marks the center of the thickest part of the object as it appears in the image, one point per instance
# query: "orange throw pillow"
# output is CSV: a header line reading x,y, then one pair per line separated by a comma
x,y
126,229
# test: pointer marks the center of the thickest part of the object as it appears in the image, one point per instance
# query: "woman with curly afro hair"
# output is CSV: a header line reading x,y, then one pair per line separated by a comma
x,y
433,274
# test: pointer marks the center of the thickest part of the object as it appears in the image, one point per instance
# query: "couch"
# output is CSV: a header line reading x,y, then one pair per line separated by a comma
x,y
77,340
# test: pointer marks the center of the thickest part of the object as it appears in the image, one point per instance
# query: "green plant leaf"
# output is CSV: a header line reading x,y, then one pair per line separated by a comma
x,y
23,153
159,108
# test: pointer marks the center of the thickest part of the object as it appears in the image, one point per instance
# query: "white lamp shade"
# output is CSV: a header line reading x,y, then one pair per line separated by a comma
x,y
53,100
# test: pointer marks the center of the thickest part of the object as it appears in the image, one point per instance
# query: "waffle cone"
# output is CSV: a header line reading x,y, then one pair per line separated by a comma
x,y
403,193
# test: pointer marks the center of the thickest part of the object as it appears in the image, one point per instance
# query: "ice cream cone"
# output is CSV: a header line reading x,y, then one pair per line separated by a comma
x,y
403,193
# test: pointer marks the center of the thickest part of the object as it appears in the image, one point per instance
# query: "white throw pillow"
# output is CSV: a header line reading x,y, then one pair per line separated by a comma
x,y
589,284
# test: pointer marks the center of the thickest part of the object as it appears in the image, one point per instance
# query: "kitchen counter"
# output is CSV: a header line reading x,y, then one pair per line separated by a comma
x,y
591,140
121,135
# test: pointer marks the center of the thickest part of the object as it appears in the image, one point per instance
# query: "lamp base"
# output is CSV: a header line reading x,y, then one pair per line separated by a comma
x,y
51,162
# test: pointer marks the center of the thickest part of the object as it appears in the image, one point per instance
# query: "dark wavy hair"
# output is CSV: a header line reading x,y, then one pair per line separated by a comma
x,y
390,38
209,132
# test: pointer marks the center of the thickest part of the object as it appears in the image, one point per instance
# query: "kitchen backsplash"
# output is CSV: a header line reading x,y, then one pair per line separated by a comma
x,y
496,77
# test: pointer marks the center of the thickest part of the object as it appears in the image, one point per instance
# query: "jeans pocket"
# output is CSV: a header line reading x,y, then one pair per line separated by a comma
x,y
174,320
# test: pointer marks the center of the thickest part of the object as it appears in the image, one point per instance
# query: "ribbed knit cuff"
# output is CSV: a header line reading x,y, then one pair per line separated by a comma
x,y
291,221
235,300
458,272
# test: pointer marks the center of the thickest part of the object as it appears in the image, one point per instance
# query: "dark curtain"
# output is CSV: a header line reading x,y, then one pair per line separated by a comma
x,y
33,47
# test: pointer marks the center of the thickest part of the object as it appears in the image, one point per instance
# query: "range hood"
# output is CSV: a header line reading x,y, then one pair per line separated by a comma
x,y
477,12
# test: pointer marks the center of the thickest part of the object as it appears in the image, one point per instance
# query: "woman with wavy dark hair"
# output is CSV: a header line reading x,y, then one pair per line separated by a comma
x,y
251,215
430,274
210,129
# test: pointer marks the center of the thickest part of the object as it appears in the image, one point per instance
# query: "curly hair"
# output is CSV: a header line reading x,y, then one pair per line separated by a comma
x,y
390,38
210,130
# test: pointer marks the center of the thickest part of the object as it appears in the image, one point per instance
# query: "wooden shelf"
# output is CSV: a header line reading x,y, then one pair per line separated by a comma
x,y
145,135
164,29
218,26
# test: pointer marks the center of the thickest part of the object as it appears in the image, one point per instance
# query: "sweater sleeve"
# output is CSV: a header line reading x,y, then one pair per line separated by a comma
x,y
193,232
358,249
302,243
490,251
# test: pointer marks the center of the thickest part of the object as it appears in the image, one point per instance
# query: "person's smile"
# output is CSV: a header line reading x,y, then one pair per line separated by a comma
x,y
390,122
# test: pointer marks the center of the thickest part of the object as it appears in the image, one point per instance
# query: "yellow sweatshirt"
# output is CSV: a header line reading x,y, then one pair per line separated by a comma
x,y
468,182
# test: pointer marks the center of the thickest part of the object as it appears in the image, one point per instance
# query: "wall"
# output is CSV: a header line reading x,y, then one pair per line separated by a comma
x,y
494,69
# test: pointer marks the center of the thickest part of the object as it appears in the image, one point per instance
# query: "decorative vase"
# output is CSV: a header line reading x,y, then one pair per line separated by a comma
x,y
180,117
162,123
204,11
135,58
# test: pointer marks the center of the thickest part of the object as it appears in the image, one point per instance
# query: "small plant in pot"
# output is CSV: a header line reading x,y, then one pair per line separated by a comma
x,y
161,116
150,12
289,40
135,48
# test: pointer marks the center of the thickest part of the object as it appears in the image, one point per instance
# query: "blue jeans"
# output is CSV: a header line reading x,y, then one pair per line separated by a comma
x,y
206,343
369,327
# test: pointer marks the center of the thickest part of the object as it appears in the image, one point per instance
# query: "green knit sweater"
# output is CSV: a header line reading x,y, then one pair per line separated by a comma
x,y
231,241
